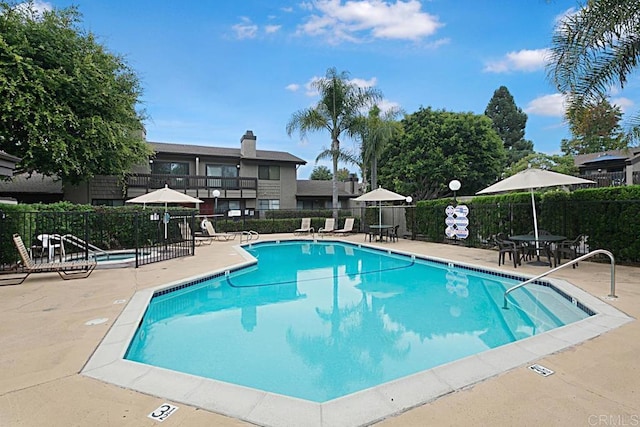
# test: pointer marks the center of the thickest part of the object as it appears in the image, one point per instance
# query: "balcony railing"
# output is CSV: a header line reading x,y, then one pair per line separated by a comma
x,y
191,182
609,179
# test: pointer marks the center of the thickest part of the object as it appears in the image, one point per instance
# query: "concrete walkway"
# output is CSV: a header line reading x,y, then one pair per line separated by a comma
x,y
49,328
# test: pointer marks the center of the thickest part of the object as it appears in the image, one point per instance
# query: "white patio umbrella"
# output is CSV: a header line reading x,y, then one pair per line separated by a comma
x,y
380,195
164,196
532,178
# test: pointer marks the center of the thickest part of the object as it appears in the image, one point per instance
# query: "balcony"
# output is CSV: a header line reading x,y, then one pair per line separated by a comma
x,y
194,185
608,179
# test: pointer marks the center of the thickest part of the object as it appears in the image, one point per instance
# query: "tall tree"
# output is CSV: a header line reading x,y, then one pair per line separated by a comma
x,y
553,162
438,146
509,121
68,105
320,173
375,131
340,105
594,50
595,128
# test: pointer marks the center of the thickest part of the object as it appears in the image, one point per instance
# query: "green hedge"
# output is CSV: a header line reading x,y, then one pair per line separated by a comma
x,y
609,216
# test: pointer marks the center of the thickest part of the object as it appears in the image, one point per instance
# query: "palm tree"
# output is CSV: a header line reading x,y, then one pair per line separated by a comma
x,y
375,132
340,105
595,49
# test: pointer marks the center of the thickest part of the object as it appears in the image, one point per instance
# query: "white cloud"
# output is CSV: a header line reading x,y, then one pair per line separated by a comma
x,y
363,83
270,29
386,105
38,7
547,105
561,17
625,104
246,29
356,20
522,60
293,87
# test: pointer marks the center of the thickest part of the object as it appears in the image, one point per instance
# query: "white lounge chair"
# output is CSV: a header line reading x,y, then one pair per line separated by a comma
x,y
348,227
329,226
218,236
79,269
305,227
199,239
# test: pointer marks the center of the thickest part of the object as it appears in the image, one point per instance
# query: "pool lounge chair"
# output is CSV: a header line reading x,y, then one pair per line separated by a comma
x,y
198,238
211,232
329,227
348,227
79,269
305,227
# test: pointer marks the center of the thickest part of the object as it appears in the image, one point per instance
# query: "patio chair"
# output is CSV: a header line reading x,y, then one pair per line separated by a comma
x,y
79,269
505,247
50,244
211,232
305,227
393,233
569,248
199,239
329,226
348,227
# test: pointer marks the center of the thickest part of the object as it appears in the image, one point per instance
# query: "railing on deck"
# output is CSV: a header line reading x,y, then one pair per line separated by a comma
x,y
190,182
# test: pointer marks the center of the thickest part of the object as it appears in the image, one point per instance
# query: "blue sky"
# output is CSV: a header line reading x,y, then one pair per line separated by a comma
x,y
211,70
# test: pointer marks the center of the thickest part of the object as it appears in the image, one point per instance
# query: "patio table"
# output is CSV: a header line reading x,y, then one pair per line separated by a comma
x,y
541,243
380,228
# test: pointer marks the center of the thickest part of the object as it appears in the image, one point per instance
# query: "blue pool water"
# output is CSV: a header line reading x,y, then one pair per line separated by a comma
x,y
320,320
116,256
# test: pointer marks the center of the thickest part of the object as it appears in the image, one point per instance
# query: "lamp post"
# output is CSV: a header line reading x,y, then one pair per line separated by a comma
x,y
216,194
454,186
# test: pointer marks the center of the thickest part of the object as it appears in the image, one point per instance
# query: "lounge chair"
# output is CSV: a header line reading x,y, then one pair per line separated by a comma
x,y
79,269
329,226
199,239
305,227
348,227
211,232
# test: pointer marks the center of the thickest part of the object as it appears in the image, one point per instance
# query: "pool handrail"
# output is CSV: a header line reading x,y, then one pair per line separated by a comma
x,y
79,243
249,235
612,293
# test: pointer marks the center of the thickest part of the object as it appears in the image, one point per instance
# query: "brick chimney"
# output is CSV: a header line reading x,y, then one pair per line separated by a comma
x,y
248,145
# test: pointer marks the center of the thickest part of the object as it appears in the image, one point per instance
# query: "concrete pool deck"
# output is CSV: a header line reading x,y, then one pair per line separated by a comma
x,y
46,342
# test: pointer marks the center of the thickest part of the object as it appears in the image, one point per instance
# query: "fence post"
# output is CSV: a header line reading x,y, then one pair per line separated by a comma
x,y
136,225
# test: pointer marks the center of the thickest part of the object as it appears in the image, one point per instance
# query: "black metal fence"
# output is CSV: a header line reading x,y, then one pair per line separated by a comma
x,y
135,238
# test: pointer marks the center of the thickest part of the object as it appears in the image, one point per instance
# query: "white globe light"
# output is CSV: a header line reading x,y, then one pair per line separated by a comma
x,y
455,185
409,199
216,193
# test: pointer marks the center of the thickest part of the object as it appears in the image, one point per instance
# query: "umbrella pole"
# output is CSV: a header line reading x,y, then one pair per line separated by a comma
x,y
165,222
535,222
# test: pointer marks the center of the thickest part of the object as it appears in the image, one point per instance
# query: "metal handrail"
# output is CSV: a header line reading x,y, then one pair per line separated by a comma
x,y
250,235
573,261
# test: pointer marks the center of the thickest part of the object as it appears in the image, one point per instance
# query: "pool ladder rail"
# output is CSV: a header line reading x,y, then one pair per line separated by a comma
x,y
248,235
612,293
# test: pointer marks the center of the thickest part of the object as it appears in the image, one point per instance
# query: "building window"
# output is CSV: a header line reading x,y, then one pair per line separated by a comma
x,y
107,202
228,205
229,173
265,205
269,172
170,168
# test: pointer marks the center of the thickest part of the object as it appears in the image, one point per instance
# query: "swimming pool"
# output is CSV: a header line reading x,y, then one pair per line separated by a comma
x,y
269,408
120,258
321,320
